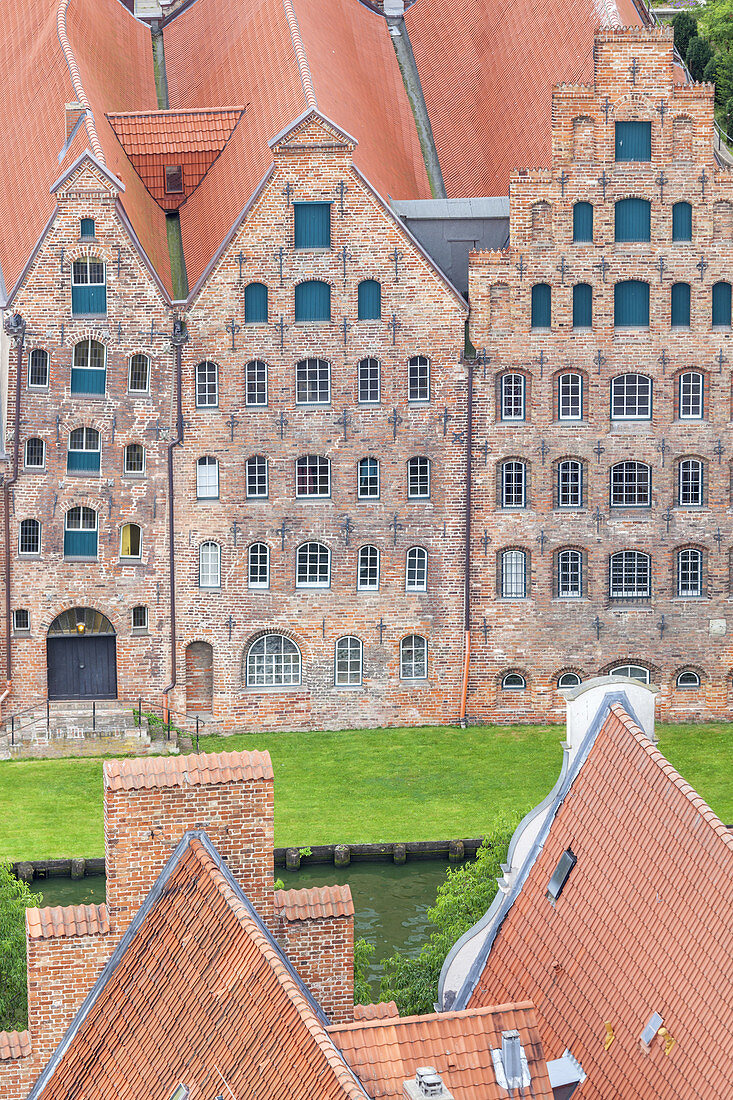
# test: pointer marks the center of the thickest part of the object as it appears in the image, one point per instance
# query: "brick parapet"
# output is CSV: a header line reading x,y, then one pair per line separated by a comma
x,y
322,952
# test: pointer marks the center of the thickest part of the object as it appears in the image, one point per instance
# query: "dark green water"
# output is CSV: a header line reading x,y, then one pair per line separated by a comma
x,y
391,902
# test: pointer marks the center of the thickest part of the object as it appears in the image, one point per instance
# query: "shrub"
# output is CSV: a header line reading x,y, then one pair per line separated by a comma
x,y
716,24
15,897
698,54
363,952
685,28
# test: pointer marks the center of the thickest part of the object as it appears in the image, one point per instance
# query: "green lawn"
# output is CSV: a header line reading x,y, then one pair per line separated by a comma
x,y
352,786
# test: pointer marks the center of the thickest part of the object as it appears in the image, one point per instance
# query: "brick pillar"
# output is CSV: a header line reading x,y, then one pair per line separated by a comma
x,y
315,929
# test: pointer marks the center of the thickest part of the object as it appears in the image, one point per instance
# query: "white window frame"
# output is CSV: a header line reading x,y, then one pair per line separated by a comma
x,y
321,461
413,661
204,481
348,671
257,461
21,629
138,628
684,471
565,483
359,482
574,571
519,685
576,680
571,398
255,364
421,555
252,565
274,685
125,468
510,574
512,397
372,552
39,530
626,486
130,387
517,464
691,395
306,548
625,670
368,363
34,465
418,380
39,385
629,591
684,557
688,687
131,557
206,387
210,568
620,383
305,365
416,479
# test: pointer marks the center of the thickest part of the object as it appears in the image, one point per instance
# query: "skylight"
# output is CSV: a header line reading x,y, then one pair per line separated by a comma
x,y
561,874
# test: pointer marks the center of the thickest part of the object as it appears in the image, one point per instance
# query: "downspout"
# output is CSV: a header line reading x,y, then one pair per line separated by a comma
x,y
467,583
178,339
14,327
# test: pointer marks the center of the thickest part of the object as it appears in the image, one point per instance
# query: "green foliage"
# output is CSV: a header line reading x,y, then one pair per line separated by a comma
x,y
307,851
15,897
463,898
685,28
698,54
363,952
278,884
716,24
729,116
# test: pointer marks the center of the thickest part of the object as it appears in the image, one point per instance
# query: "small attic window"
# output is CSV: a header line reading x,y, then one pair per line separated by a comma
x,y
561,874
181,1093
87,229
173,179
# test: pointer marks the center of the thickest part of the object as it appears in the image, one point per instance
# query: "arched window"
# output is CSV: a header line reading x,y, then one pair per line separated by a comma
x,y
632,220
416,569
633,141
86,229
130,541
679,305
368,479
513,484
312,476
418,478
568,680
258,565
84,451
688,680
348,662
207,384
134,458
369,295
29,541
691,484
631,397
413,658
721,305
367,577
631,485
273,661
681,221
633,672
207,477
313,566
255,304
689,572
570,396
691,395
80,533
513,681
541,305
582,305
38,369
140,619
511,397
209,565
369,382
255,382
88,287
630,576
313,382
570,483
35,453
582,222
418,378
89,371
256,475
513,574
569,574
313,301
139,374
312,224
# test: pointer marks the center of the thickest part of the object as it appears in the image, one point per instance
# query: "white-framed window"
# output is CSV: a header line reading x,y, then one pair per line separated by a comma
x,y
134,458
348,657
691,395
633,672
690,493
631,485
689,572
368,479
255,383
414,658
568,680
367,577
313,476
630,576
513,574
258,565
140,619
416,569
29,539
513,484
570,396
81,533
138,380
511,397
569,574
131,541
570,483
21,621
631,397
418,378
207,478
418,478
257,480
688,680
35,453
273,661
38,369
313,566
209,565
369,381
88,286
313,382
207,384
513,681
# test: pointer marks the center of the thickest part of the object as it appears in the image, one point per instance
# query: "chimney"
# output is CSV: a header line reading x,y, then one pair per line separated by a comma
x,y
74,111
427,1085
510,1062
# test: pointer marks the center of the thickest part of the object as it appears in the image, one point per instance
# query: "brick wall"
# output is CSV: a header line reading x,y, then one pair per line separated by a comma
x,y
322,951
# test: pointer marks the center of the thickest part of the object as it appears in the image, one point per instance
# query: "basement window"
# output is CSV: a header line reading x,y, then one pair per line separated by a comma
x,y
174,184
561,874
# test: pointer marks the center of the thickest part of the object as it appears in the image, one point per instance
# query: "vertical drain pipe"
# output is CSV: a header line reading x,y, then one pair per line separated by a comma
x,y
178,339
14,327
467,583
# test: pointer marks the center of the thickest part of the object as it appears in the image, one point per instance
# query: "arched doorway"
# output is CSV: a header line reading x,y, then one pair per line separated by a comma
x,y
199,678
81,650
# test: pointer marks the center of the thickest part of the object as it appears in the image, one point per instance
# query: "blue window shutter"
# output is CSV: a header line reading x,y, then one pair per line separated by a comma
x,y
312,224
631,304
541,305
313,301
633,220
255,302
83,460
87,228
680,305
721,304
87,380
682,221
89,298
582,221
80,544
633,141
370,300
582,305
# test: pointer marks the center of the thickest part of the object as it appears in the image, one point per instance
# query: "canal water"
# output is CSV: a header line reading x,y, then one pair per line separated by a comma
x,y
391,902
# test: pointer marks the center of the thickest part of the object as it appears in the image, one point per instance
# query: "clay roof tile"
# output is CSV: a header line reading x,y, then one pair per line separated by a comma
x,y
184,771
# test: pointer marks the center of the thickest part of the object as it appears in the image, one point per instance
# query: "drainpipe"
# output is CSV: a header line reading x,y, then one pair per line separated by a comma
x,y
178,339
467,583
14,327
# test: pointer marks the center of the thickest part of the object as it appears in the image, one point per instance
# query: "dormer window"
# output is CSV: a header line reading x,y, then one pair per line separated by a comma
x,y
174,179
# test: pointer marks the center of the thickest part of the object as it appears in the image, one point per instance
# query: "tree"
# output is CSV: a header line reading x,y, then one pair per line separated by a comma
x,y
15,897
699,53
729,116
685,28
363,952
716,24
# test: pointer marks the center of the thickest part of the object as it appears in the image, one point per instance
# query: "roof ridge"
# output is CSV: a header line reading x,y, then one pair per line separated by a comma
x,y
306,78
454,1014
76,80
174,111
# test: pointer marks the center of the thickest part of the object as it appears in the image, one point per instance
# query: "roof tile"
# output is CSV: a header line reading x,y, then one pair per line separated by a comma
x,y
315,903
207,769
14,1044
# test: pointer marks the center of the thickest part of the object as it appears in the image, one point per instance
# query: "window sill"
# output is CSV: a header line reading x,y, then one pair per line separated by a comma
x,y
83,473
80,559
315,321
262,689
312,404
37,389
254,500
209,588
207,408
415,681
29,557
369,404
89,316
131,561
313,500
348,687
540,332
134,477
34,469
631,330
85,396
203,500
139,632
412,401
140,395
21,633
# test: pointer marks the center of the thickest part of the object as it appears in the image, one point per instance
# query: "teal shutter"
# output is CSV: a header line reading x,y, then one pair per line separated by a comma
x,y
87,229
631,304
312,224
80,544
370,300
89,298
313,301
680,305
633,220
582,305
255,303
682,221
582,222
83,460
721,304
88,380
633,141
541,305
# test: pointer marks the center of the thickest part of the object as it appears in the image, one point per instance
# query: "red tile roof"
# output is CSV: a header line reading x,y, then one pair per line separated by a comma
x,y
14,1044
70,920
315,903
384,1053
379,1011
644,924
206,769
